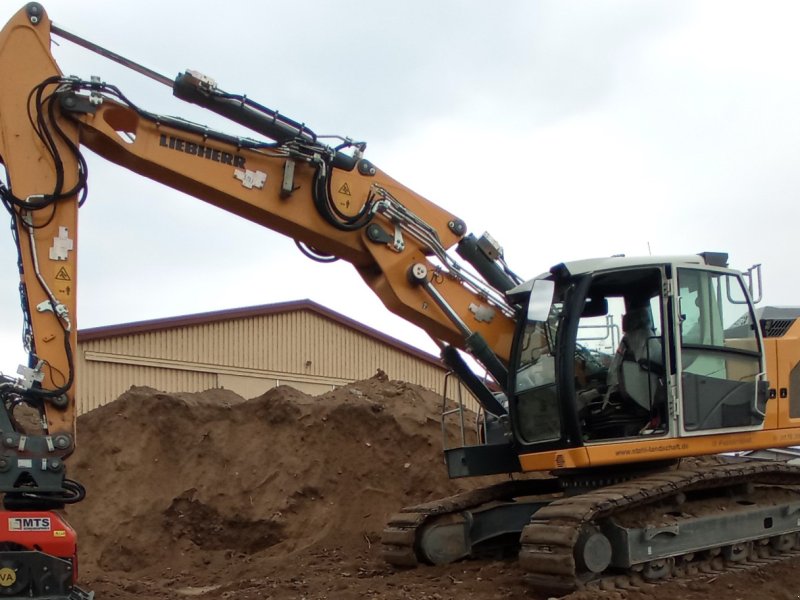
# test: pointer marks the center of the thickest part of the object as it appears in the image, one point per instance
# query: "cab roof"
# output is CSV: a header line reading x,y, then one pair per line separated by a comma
x,y
591,265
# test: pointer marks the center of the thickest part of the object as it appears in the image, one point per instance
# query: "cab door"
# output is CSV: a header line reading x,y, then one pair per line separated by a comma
x,y
722,379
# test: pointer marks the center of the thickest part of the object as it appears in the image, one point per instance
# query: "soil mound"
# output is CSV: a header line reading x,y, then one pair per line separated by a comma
x,y
186,482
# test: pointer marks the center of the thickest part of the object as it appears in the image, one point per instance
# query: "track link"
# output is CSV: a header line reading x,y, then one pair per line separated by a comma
x,y
700,570
553,544
401,537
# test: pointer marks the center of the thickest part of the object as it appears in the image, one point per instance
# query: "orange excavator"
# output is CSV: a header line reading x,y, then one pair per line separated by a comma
x,y
609,377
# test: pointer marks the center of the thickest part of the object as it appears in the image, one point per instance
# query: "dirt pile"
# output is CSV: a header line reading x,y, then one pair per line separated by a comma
x,y
195,485
284,496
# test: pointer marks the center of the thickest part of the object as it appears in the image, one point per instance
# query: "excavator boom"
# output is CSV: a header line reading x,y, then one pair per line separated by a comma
x,y
338,205
333,202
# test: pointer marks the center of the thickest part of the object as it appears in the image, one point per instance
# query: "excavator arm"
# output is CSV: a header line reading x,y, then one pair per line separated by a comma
x,y
331,200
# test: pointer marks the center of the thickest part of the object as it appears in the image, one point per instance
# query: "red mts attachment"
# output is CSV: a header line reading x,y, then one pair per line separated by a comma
x,y
40,530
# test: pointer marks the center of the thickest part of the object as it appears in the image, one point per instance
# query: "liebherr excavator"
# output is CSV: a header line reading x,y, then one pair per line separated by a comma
x,y
613,417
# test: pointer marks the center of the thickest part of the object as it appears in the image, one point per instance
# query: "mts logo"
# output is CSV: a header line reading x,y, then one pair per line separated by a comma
x,y
29,524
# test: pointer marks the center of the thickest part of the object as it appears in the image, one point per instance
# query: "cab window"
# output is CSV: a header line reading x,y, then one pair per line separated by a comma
x,y
720,362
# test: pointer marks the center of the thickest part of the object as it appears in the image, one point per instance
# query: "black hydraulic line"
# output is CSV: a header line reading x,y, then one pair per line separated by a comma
x,y
483,394
314,254
321,196
45,124
72,493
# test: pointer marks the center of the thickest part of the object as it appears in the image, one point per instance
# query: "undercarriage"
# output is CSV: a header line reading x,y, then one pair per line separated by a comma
x,y
672,523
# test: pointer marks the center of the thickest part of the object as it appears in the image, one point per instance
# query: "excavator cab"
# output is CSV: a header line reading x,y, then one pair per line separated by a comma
x,y
623,350
619,368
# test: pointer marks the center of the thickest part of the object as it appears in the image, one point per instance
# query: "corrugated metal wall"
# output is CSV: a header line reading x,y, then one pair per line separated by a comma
x,y
247,355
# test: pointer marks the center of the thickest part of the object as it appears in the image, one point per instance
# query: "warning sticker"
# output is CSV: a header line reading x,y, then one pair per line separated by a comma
x,y
345,189
63,275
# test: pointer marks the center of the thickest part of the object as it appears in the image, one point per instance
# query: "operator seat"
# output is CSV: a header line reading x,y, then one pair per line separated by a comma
x,y
639,359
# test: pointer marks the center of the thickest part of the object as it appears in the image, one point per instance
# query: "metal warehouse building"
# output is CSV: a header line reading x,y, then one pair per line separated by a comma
x,y
246,350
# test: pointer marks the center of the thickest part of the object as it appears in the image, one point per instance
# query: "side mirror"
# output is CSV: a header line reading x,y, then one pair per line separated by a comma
x,y
540,300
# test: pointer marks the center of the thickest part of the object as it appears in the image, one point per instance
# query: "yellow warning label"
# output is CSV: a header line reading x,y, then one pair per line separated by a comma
x,y
8,577
345,189
63,275
59,533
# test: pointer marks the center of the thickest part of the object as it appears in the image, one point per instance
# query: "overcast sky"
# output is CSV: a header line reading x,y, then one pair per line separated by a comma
x,y
566,129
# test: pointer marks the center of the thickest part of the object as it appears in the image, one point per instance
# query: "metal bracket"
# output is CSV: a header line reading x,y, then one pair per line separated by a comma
x,y
45,306
398,245
57,309
30,376
287,186
201,81
72,102
376,234
96,98
490,247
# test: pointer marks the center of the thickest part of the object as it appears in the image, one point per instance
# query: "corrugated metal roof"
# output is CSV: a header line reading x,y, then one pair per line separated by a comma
x,y
109,331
